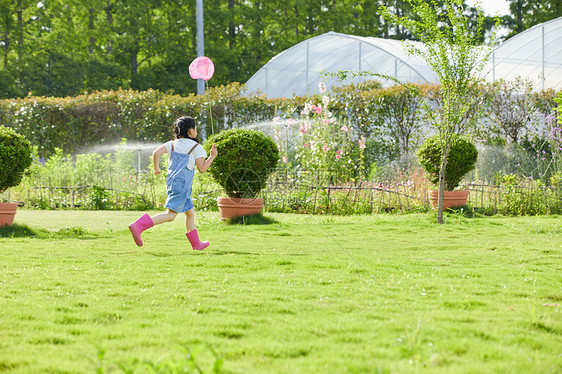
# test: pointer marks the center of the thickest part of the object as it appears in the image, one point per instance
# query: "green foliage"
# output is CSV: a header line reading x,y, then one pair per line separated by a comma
x,y
91,181
106,117
149,43
99,196
525,196
15,157
524,14
8,86
245,160
558,108
461,159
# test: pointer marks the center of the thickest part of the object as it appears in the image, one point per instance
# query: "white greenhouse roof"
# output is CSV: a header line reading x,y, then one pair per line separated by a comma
x,y
534,55
298,70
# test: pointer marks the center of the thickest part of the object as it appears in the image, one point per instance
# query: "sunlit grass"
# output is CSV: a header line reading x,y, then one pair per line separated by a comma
x,y
302,294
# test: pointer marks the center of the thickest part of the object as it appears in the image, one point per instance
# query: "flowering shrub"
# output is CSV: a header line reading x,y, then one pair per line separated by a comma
x,y
327,143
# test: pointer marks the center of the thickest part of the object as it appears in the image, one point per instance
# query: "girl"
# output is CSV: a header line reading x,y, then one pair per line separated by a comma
x,y
185,153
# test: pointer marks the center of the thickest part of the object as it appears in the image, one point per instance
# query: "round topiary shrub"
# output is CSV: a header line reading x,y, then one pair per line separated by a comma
x,y
15,157
245,160
462,159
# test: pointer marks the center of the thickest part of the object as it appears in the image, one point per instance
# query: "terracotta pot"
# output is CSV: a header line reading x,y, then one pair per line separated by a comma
x,y
451,199
7,213
231,207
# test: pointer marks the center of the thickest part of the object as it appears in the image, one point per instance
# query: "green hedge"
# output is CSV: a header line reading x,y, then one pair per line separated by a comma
x,y
106,117
388,116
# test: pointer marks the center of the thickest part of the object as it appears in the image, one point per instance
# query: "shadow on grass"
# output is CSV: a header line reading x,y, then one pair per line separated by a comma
x,y
256,219
24,231
17,231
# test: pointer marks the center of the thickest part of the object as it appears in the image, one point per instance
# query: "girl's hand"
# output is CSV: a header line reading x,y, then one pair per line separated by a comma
x,y
157,171
214,151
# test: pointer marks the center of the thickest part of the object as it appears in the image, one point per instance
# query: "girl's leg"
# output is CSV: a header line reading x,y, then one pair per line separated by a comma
x,y
191,232
190,220
169,216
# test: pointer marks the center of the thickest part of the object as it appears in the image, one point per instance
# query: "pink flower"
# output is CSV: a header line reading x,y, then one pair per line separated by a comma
x,y
318,109
345,128
275,119
290,122
302,129
322,87
284,159
306,145
338,157
325,148
326,121
362,143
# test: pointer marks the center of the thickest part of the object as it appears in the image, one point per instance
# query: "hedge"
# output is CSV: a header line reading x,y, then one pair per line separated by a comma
x,y
106,117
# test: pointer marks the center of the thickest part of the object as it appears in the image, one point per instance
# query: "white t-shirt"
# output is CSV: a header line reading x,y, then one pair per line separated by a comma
x,y
184,145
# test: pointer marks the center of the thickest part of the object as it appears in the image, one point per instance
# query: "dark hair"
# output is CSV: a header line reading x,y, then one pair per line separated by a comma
x,y
182,126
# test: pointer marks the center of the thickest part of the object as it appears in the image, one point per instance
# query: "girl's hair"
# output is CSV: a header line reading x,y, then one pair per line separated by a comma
x,y
182,126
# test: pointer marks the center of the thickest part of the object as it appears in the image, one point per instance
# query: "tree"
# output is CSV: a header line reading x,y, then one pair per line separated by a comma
x,y
512,106
449,51
401,108
525,14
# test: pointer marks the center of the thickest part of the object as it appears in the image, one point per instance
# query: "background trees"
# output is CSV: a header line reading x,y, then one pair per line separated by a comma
x,y
66,47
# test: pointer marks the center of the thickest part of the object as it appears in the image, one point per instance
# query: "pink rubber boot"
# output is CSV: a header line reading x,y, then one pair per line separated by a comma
x,y
137,227
195,242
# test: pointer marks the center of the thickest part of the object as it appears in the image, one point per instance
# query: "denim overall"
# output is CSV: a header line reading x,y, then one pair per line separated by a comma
x,y
178,182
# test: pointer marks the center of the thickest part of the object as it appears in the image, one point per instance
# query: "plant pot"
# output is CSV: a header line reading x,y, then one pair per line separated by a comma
x,y
7,213
451,199
231,207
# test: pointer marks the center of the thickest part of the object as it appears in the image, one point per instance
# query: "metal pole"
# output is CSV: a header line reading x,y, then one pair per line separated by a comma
x,y
200,42
493,66
139,163
359,62
306,70
543,77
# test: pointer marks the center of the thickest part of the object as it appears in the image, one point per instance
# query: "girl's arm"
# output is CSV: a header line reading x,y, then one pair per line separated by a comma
x,y
202,164
156,158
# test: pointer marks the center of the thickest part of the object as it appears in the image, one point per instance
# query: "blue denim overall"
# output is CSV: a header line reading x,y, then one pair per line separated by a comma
x,y
178,182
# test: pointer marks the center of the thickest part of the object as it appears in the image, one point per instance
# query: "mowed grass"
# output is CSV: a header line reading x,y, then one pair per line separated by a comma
x,y
305,294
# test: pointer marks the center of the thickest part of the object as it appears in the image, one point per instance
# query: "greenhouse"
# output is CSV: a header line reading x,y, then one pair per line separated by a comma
x,y
534,55
298,70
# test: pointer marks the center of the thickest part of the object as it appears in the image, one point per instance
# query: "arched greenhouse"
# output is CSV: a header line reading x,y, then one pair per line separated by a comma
x,y
535,55
298,70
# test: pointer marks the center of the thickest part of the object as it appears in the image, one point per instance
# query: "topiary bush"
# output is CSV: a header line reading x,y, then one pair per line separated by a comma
x,y
462,159
245,160
15,157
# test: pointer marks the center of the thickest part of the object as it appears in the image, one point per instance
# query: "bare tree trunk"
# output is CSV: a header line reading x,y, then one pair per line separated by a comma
x,y
109,17
91,28
231,28
6,42
134,62
442,171
20,29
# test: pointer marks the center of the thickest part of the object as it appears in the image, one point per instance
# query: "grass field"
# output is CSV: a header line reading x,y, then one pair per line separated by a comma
x,y
305,294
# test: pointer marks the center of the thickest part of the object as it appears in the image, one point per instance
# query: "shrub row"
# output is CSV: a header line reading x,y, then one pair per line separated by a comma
x,y
389,115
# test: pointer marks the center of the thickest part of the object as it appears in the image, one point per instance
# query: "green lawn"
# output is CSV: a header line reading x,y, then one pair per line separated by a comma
x,y
308,294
